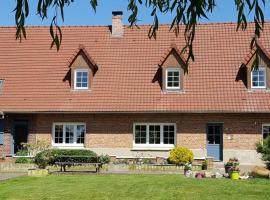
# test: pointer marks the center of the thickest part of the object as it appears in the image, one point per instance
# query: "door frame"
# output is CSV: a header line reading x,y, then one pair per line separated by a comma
x,y
221,124
20,121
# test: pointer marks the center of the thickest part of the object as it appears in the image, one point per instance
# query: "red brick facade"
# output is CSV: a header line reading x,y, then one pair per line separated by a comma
x,y
240,131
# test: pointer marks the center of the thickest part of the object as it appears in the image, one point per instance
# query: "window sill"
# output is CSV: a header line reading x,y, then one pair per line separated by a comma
x,y
259,90
169,91
153,148
68,146
81,90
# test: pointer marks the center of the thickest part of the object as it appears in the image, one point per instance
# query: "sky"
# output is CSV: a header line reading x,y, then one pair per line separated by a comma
x,y
80,13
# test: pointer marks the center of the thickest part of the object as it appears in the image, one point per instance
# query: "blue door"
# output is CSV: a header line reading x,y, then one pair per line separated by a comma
x,y
215,141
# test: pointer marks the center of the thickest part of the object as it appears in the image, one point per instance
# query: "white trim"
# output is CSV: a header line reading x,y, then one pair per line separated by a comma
x,y
75,79
148,146
71,145
172,70
259,87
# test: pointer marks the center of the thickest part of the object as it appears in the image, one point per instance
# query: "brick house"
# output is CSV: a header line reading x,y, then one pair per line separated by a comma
x,y
115,91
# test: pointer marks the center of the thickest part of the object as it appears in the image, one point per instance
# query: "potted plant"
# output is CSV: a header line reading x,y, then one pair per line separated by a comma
x,y
187,167
234,172
232,162
204,164
231,167
200,175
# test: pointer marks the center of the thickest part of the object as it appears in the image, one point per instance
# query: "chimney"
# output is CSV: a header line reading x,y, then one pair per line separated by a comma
x,y
117,25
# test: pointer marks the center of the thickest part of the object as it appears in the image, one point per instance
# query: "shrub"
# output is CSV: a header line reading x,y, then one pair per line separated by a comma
x,y
23,160
34,148
181,156
264,148
23,152
104,159
50,156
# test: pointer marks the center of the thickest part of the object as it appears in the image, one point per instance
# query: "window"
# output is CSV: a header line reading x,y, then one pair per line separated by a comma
x,y
1,84
154,135
266,131
258,78
1,131
81,79
68,134
172,79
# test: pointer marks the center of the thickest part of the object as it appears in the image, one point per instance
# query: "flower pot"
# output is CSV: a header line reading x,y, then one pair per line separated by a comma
x,y
204,167
227,168
234,175
38,172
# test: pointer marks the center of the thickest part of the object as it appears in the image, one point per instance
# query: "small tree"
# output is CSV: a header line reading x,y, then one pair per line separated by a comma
x,y
264,148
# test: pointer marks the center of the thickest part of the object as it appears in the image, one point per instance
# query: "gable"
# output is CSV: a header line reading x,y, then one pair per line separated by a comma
x,y
263,61
173,60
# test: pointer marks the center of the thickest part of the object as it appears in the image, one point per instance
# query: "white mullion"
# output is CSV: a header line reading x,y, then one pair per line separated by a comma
x,y
161,134
64,134
74,134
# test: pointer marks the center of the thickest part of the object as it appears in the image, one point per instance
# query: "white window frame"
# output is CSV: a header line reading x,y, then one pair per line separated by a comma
x,y
148,146
259,87
75,79
64,144
173,70
262,128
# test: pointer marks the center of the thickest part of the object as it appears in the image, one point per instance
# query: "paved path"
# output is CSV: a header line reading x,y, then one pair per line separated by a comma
x,y
10,175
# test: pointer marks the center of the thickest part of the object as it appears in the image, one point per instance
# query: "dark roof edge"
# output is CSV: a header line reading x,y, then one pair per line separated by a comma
x,y
136,112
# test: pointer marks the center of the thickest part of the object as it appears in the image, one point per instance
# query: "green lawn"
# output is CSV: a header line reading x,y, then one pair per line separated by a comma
x,y
147,187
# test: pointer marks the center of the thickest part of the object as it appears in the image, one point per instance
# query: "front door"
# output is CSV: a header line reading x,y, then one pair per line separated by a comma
x,y
20,134
214,134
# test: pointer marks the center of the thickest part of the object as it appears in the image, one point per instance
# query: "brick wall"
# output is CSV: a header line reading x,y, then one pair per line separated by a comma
x,y
115,130
241,131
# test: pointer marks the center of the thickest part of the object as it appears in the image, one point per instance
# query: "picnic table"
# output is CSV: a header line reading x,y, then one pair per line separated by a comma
x,y
64,161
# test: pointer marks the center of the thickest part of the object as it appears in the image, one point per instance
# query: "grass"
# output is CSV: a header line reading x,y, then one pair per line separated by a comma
x,y
130,187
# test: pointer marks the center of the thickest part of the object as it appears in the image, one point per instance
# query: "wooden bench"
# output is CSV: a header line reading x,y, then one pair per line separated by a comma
x,y
64,161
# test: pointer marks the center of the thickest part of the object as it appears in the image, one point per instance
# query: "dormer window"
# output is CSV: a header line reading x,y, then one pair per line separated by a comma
x,y
170,74
81,79
172,79
1,84
258,78
82,71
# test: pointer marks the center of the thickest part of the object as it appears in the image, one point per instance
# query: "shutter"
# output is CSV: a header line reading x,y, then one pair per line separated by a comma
x,y
1,131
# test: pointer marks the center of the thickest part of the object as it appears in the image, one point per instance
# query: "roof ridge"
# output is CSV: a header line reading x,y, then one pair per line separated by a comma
x,y
126,25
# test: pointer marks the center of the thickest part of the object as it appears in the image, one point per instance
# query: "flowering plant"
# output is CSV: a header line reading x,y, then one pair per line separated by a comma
x,y
232,165
188,166
200,175
232,162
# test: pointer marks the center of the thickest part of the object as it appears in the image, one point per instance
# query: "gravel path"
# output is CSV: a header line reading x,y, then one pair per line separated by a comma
x,y
10,175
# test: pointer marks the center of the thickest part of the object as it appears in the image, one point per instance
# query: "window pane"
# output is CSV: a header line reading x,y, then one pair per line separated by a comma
x,y
80,134
69,134
140,134
154,134
217,139
210,130
266,131
58,134
210,139
168,134
261,73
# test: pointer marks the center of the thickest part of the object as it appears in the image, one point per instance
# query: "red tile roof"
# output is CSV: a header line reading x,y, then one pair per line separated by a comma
x,y
35,75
